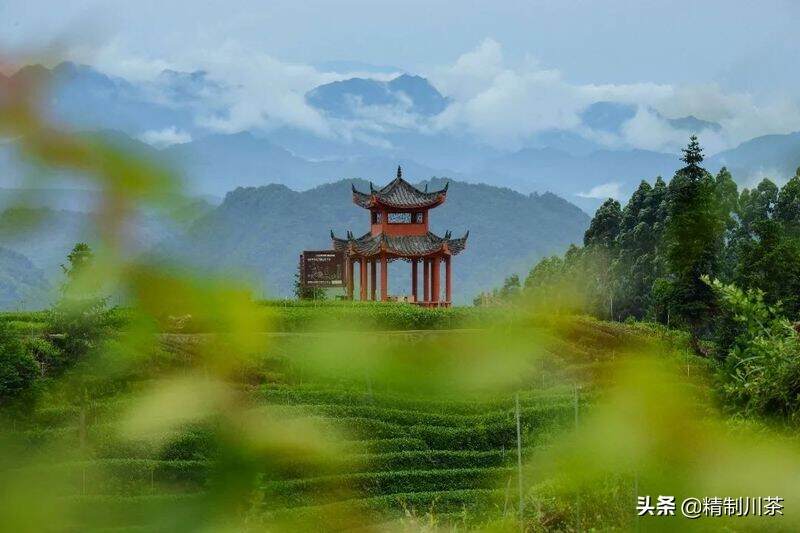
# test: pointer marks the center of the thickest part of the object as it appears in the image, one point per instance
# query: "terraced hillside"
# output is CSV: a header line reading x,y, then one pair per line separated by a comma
x,y
398,453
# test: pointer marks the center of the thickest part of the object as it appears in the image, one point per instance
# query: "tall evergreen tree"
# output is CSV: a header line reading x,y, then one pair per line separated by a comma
x,y
632,267
766,249
600,242
693,238
787,209
726,196
604,227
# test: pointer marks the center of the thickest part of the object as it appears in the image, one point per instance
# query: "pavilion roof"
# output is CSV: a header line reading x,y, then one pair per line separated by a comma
x,y
369,245
399,194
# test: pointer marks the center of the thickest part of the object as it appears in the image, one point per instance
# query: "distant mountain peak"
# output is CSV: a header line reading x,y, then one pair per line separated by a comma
x,y
345,98
611,117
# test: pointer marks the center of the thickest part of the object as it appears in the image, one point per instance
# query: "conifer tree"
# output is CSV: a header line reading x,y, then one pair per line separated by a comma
x,y
693,237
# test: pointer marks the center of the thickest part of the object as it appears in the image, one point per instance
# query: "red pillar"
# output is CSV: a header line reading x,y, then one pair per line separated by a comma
x,y
373,278
448,286
351,265
435,280
384,278
363,272
414,279
426,280
347,277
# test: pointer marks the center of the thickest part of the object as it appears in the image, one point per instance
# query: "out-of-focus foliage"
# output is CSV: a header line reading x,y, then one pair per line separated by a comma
x,y
18,368
188,411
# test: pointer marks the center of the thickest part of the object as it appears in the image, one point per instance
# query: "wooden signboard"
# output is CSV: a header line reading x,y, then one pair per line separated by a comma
x,y
322,268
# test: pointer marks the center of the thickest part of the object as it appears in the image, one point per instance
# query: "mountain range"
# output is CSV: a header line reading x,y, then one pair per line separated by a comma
x,y
164,118
285,187
258,232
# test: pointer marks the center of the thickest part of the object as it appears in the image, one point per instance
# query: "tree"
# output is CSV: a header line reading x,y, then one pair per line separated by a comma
x,y
79,260
693,239
18,369
693,153
81,319
787,208
604,227
306,292
636,265
600,242
511,287
726,196
765,247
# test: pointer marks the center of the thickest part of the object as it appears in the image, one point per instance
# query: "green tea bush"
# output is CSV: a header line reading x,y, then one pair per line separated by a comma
x,y
313,490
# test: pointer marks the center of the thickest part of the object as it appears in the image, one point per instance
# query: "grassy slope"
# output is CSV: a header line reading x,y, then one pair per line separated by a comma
x,y
446,455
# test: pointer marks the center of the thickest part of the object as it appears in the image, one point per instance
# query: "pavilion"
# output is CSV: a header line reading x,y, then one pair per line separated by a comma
x,y
399,230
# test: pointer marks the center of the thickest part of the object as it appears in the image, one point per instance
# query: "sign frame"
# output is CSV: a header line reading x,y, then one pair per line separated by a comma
x,y
322,268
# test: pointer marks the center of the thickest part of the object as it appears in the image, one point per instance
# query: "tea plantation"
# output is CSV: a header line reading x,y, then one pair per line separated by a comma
x,y
401,454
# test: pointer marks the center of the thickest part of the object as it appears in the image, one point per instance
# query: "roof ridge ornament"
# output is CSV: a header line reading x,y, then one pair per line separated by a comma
x,y
399,172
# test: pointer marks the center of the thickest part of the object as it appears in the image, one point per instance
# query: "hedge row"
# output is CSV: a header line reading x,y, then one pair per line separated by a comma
x,y
354,513
370,317
318,490
144,476
163,512
198,444
387,445
127,476
478,437
314,394
174,512
432,459
409,418
351,316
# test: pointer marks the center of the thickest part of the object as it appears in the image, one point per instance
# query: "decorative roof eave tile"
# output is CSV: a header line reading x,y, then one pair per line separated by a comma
x,y
399,194
404,246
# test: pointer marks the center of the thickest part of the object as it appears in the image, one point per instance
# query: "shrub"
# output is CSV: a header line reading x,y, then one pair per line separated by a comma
x,y
18,369
762,370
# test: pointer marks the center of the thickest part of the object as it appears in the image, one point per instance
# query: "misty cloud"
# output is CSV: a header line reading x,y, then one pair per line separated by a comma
x,y
606,190
166,137
501,102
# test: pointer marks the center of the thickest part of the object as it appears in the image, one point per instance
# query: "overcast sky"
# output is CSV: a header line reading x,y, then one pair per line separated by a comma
x,y
723,60
613,41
